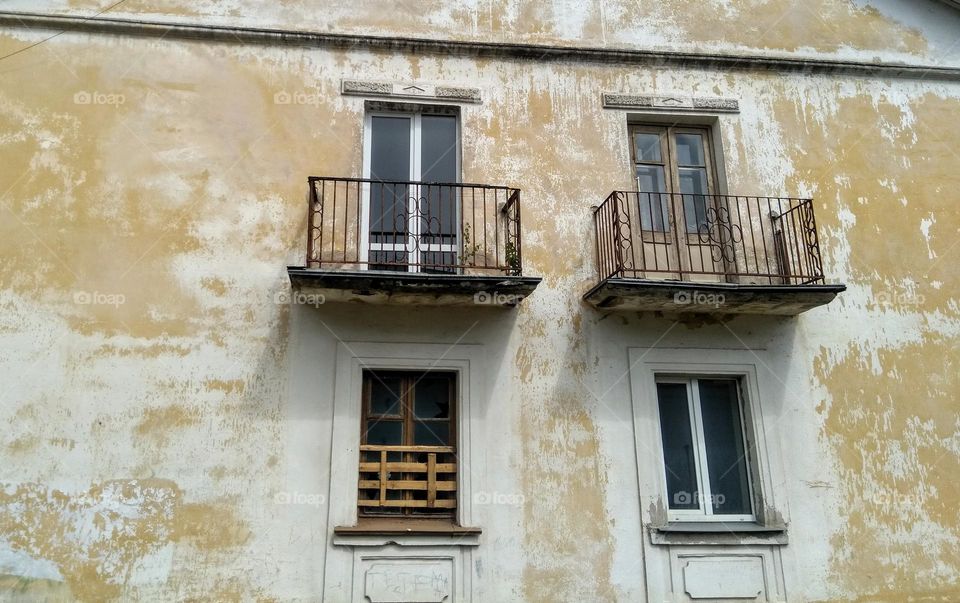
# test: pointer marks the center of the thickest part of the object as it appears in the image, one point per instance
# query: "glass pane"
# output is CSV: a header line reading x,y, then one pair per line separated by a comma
x,y
723,438
438,140
385,394
388,260
690,149
389,213
678,450
384,433
650,179
438,163
693,185
431,433
647,146
390,148
389,160
654,209
438,262
438,214
432,397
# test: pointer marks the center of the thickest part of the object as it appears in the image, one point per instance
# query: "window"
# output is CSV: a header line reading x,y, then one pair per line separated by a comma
x,y
706,454
411,217
408,459
674,176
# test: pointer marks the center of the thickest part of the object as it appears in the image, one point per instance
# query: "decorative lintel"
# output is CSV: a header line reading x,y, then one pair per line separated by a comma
x,y
410,90
670,103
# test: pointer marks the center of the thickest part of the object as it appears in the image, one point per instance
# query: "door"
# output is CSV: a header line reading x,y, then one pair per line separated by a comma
x,y
675,183
411,208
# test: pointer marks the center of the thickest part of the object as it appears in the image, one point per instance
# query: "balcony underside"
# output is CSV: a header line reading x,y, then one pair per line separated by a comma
x,y
412,288
709,298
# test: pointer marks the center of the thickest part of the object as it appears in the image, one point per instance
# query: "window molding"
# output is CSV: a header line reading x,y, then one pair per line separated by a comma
x,y
766,473
410,90
670,102
693,399
352,358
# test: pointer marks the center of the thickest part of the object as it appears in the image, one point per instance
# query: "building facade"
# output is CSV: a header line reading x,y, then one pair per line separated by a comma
x,y
480,301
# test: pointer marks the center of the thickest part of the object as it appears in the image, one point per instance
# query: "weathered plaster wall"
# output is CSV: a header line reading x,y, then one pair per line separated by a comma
x,y
145,441
905,30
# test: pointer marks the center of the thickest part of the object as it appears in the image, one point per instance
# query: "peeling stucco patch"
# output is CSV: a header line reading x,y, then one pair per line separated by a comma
x,y
95,538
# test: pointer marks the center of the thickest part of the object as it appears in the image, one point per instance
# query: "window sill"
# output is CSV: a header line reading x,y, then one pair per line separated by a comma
x,y
717,533
380,531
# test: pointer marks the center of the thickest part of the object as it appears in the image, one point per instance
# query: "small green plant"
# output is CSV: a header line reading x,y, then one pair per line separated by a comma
x,y
512,256
468,249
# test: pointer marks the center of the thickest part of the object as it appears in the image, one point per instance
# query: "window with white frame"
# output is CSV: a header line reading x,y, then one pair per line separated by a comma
x,y
706,452
411,220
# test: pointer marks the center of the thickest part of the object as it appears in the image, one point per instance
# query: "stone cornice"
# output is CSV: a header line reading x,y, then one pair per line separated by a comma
x,y
536,52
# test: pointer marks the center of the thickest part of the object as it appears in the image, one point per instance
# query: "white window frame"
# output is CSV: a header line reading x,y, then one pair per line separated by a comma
x,y
765,467
416,169
701,461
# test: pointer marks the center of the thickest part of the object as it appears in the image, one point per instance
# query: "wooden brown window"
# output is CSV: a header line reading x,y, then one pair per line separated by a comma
x,y
675,176
408,460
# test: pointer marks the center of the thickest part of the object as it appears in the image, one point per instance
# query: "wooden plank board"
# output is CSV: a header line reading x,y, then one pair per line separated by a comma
x,y
441,503
398,467
437,449
440,486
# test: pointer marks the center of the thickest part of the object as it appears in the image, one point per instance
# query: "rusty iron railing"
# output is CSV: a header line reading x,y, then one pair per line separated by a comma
x,y
405,226
723,238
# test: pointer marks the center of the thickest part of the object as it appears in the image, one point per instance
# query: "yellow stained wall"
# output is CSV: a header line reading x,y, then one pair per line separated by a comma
x,y
177,204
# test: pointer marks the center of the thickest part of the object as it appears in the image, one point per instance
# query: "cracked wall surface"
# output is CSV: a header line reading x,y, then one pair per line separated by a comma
x,y
153,193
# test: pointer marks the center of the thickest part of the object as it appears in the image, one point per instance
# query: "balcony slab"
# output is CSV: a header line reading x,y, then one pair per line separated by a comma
x,y
411,288
709,297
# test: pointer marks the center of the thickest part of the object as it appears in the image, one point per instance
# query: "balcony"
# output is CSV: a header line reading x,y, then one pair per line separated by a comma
x,y
413,242
718,254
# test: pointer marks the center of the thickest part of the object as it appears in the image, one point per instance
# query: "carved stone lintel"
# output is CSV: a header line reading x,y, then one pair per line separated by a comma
x,y
718,104
466,94
358,87
409,90
670,103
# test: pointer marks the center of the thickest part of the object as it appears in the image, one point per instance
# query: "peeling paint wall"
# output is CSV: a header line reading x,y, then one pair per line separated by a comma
x,y
157,393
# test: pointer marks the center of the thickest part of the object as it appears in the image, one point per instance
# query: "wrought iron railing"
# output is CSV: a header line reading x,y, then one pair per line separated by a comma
x,y
407,479
442,228
728,238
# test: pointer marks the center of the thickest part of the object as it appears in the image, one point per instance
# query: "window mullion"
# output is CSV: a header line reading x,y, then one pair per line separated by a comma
x,y
413,218
703,477
747,450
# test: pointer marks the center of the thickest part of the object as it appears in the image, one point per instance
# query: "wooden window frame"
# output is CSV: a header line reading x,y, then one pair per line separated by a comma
x,y
407,417
671,169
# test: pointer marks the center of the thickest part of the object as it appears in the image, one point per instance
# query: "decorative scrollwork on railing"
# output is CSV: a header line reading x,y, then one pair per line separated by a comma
x,y
720,234
624,233
430,235
810,237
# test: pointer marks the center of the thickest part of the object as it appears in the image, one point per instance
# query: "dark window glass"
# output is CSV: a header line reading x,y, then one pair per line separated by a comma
x,y
678,449
432,399
723,435
389,160
431,433
385,394
384,433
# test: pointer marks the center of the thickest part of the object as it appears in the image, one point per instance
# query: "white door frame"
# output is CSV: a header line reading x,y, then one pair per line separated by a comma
x,y
414,243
